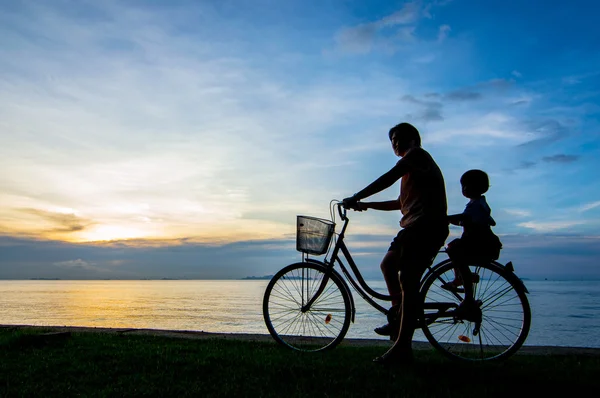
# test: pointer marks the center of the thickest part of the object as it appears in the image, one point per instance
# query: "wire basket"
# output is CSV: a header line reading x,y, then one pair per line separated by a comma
x,y
313,234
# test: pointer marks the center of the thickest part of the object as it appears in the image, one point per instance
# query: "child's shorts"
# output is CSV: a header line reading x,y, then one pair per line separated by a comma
x,y
469,250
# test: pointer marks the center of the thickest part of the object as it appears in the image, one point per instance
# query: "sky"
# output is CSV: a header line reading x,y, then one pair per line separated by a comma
x,y
180,139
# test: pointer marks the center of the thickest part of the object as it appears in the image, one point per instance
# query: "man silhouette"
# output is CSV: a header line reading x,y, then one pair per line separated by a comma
x,y
422,202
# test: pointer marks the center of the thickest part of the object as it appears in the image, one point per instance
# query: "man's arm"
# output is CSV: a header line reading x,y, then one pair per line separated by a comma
x,y
386,206
385,181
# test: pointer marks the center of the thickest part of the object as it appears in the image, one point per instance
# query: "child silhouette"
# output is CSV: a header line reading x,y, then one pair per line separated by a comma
x,y
478,242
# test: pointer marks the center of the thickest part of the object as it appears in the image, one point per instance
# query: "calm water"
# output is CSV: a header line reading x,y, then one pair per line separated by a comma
x,y
564,313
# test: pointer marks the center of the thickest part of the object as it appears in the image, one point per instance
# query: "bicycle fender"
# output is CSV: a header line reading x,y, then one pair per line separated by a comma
x,y
344,283
509,267
430,271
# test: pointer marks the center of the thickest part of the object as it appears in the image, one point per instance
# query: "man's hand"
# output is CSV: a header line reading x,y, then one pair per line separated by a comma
x,y
350,203
354,204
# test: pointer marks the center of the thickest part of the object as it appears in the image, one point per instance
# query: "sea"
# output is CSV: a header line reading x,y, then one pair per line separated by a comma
x,y
564,313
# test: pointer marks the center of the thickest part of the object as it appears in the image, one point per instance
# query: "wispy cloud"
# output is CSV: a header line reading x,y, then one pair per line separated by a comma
x,y
79,263
518,212
560,158
429,110
444,32
170,139
60,221
589,206
388,31
545,131
462,95
550,226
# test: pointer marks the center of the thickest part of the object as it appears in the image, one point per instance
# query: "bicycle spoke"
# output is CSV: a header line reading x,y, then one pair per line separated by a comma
x,y
493,322
313,328
505,315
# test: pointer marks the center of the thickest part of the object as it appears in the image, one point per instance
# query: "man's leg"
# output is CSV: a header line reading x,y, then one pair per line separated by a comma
x,y
389,268
417,249
409,281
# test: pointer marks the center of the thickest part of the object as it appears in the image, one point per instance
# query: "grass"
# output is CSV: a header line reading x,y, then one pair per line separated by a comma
x,y
110,365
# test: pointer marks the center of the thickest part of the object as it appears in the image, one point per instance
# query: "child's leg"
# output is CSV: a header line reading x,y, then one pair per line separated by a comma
x,y
455,252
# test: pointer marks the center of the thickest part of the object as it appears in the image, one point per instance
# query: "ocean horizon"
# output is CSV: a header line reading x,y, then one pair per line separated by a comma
x,y
564,312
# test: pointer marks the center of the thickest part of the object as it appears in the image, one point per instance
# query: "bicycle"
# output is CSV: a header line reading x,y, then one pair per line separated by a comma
x,y
308,305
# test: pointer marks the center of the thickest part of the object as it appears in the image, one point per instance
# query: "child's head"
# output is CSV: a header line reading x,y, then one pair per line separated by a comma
x,y
474,183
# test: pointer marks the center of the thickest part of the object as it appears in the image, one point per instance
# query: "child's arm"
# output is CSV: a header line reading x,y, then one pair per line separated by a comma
x,y
456,219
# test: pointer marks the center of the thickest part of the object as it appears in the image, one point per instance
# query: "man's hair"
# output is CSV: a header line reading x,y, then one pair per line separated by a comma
x,y
477,180
405,132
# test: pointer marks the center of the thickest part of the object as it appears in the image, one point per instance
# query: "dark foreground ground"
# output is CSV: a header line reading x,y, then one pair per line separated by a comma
x,y
39,362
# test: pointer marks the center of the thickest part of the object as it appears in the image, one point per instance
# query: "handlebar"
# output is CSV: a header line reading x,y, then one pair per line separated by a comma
x,y
342,211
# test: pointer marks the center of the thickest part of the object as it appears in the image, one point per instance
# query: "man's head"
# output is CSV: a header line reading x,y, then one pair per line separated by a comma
x,y
474,183
403,137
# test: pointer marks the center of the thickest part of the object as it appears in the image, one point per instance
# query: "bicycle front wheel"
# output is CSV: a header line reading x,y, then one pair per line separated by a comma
x,y
502,309
320,327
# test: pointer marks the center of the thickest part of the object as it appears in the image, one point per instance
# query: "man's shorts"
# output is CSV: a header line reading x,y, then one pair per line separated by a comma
x,y
419,244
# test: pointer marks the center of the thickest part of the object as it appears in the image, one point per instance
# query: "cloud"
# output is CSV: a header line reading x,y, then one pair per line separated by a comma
x,y
473,92
408,14
177,137
526,164
545,132
357,40
550,226
532,254
29,258
516,73
443,32
477,129
560,158
518,212
523,165
520,101
79,263
577,79
589,206
151,127
462,95
429,111
63,222
387,31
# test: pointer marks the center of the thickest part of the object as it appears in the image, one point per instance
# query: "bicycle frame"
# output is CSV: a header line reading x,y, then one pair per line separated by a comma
x,y
358,282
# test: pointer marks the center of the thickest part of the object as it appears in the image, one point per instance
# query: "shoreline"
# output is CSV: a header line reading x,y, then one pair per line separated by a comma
x,y
190,334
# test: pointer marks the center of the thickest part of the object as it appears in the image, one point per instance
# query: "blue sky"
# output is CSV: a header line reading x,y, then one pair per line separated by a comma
x,y
130,129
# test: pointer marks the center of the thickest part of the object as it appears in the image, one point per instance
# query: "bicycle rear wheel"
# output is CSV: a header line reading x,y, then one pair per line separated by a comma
x,y
323,325
502,308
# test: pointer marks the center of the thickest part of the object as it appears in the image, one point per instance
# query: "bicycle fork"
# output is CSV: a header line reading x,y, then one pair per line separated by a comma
x,y
311,300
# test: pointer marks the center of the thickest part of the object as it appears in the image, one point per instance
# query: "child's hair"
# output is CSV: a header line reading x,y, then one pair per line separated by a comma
x,y
476,180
